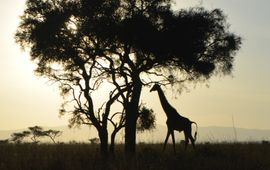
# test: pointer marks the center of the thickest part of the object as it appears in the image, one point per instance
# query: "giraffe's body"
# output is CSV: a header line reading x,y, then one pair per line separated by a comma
x,y
174,120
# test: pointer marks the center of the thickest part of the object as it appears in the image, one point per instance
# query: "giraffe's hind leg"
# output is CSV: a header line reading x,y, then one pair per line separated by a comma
x,y
173,140
186,139
192,141
189,136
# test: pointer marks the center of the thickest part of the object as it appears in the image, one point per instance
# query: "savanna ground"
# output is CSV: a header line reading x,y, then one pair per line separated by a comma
x,y
222,156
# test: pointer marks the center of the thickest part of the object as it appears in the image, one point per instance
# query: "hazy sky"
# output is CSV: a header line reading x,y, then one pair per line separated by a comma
x,y
27,100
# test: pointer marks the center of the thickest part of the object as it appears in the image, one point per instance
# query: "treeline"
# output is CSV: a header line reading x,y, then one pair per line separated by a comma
x,y
34,133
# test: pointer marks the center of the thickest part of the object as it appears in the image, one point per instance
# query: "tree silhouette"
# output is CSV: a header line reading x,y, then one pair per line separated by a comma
x,y
129,44
36,132
146,121
117,126
94,140
4,141
19,136
52,134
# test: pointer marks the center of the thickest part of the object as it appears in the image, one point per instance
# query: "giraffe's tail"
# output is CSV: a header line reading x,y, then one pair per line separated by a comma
x,y
196,132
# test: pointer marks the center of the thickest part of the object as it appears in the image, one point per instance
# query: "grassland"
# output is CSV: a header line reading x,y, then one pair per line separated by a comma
x,y
223,156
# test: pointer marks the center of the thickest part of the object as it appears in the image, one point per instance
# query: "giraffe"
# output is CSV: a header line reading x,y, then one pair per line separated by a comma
x,y
175,121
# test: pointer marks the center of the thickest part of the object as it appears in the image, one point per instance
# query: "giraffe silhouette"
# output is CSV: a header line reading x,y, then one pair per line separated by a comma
x,y
175,121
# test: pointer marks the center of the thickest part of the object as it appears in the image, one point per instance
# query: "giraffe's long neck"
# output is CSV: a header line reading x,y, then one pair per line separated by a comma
x,y
168,109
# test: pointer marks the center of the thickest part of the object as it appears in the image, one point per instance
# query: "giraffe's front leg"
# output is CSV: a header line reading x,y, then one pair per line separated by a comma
x,y
166,140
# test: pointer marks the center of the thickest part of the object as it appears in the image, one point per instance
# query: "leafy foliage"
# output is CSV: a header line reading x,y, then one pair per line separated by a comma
x,y
197,41
146,120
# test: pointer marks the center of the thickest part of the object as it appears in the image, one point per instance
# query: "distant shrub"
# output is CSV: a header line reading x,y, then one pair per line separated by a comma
x,y
146,119
265,142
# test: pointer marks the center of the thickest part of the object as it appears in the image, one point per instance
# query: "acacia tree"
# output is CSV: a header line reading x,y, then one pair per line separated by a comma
x,y
83,44
19,136
167,47
63,42
35,132
52,134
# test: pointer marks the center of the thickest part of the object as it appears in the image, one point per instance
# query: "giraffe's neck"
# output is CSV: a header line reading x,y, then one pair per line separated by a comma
x,y
168,109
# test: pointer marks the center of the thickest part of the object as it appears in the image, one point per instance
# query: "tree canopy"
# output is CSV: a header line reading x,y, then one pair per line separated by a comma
x,y
196,41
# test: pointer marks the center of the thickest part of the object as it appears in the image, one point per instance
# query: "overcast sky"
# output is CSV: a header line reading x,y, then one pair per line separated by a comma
x,y
27,100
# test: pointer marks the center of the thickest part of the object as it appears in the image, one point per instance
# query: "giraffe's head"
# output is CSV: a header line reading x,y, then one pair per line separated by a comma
x,y
155,87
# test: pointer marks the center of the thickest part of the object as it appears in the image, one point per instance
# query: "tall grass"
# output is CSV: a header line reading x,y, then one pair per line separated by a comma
x,y
223,156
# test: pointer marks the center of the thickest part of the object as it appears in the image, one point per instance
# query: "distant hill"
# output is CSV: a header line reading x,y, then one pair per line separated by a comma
x,y
205,134
210,134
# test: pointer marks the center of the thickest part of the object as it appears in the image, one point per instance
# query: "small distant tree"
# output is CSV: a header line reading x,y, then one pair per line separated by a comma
x,y
36,132
5,141
19,136
146,119
94,140
52,134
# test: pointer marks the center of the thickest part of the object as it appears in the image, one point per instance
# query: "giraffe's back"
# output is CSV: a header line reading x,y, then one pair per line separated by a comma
x,y
178,123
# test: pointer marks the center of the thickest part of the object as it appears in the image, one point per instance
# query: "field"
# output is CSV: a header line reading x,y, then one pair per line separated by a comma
x,y
222,156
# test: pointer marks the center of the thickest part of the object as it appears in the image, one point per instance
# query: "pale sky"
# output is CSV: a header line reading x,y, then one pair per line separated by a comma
x,y
27,100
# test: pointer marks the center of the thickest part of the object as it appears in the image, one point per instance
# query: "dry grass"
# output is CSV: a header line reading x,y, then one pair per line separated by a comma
x,y
225,156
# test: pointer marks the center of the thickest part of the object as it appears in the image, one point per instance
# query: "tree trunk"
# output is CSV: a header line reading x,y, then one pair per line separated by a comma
x,y
52,139
112,146
130,132
132,111
113,135
103,136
